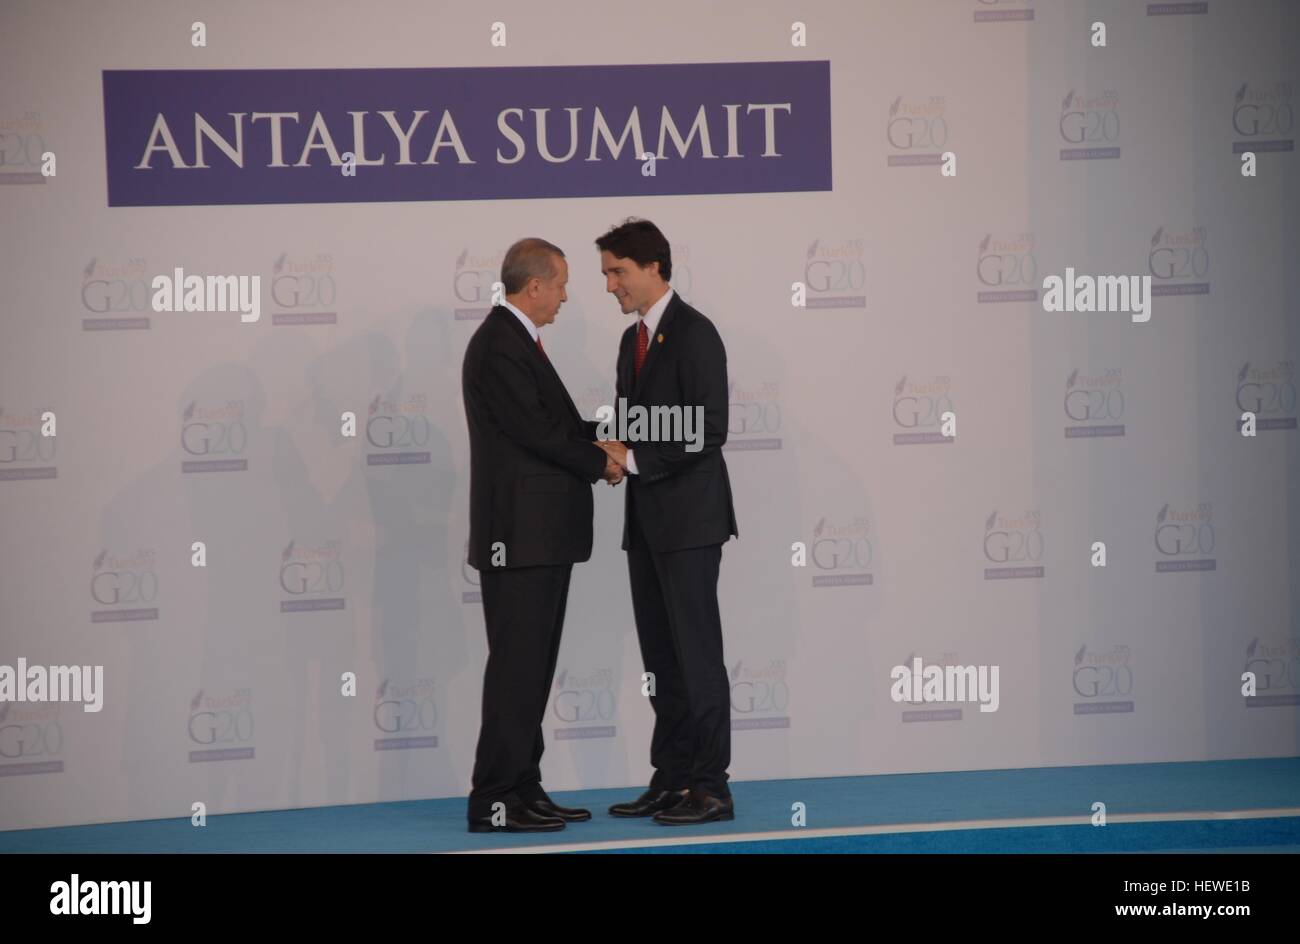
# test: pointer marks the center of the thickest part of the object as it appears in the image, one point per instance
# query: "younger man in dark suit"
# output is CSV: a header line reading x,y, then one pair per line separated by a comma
x,y
678,514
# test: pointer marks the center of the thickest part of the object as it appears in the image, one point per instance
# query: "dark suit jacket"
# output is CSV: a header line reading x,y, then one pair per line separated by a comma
x,y
681,499
532,461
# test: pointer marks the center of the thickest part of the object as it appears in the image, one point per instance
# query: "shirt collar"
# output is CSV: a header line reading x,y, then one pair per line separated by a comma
x,y
527,322
656,311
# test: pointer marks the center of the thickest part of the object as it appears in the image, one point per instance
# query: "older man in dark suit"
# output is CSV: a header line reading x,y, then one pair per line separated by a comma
x,y
532,464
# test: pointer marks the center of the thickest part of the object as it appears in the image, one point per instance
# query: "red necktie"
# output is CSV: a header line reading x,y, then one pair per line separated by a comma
x,y
642,343
540,348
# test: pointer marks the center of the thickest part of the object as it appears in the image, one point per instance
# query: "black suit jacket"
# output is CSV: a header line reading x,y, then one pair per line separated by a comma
x,y
531,458
681,499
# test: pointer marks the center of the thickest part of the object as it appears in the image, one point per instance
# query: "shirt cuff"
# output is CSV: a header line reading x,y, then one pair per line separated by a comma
x,y
631,462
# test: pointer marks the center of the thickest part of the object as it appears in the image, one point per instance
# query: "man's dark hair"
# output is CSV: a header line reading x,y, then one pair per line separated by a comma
x,y
640,241
528,258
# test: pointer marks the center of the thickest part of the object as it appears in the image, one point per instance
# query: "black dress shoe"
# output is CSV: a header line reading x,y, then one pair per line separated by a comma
x,y
545,806
649,803
519,819
700,807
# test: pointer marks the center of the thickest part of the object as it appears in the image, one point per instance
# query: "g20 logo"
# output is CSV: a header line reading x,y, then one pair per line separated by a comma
x,y
1275,673
25,445
384,431
111,587
1084,405
759,695
1191,538
221,727
913,411
835,275
1019,545
1249,120
1099,681
1010,268
1268,397
104,295
299,577
406,714
474,285
754,416
303,291
587,704
31,740
1179,262
20,150
842,553
917,131
216,438
1090,124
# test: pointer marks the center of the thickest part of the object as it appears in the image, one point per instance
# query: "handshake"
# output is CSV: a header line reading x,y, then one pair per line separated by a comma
x,y
615,460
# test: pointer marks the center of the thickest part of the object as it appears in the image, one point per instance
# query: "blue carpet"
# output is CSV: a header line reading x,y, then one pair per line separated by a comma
x,y
1275,835
763,806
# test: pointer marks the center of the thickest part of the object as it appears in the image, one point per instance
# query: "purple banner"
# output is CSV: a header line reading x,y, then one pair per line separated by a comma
x,y
255,136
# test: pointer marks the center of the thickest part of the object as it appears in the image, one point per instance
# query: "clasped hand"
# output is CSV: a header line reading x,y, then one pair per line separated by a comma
x,y
615,460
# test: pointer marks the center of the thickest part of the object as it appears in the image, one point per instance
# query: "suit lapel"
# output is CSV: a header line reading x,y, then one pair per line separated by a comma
x,y
626,358
654,345
547,367
564,391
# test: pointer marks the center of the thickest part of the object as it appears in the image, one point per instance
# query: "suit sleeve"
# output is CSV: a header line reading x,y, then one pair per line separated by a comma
x,y
510,391
593,427
704,383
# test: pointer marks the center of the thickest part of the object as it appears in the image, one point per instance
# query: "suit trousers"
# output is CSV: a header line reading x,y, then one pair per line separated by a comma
x,y
524,612
679,627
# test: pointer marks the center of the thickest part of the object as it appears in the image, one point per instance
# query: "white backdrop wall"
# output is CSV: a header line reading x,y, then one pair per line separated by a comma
x,y
215,691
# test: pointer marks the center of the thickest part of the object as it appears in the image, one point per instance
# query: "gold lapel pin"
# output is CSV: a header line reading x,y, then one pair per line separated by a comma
x,y
661,339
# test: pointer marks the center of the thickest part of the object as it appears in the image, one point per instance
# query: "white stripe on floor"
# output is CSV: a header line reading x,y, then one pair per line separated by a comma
x,y
883,829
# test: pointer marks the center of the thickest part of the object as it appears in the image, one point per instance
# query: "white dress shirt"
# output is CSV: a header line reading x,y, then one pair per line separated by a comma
x,y
651,321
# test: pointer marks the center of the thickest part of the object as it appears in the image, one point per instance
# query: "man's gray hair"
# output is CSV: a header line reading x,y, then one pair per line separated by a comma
x,y
526,259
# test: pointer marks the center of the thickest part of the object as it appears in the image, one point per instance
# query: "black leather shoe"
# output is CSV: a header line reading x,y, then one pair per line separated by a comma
x,y
649,803
519,819
700,807
545,806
